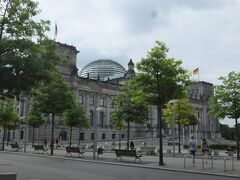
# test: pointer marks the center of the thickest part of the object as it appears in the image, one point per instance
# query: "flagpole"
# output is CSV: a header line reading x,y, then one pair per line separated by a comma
x,y
55,32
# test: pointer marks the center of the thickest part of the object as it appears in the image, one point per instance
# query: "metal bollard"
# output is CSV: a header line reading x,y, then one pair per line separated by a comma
x,y
212,162
233,163
202,162
184,157
225,164
184,161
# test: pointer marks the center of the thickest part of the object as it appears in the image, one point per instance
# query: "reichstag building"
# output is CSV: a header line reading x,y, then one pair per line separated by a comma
x,y
95,86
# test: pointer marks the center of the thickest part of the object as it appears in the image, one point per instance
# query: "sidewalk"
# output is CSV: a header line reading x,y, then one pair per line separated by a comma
x,y
148,161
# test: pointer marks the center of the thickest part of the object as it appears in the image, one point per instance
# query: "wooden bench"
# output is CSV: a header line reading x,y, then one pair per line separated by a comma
x,y
71,150
40,148
126,152
16,147
150,150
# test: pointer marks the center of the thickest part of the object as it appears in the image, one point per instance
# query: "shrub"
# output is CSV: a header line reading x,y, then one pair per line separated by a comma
x,y
186,146
221,146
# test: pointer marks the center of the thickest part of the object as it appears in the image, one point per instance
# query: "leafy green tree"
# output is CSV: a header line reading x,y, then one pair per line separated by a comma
x,y
226,101
75,117
26,55
129,109
228,132
8,118
53,98
35,120
180,112
12,125
118,124
161,79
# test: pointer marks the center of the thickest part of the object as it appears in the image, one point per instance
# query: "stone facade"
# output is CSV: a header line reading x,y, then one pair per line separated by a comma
x,y
199,94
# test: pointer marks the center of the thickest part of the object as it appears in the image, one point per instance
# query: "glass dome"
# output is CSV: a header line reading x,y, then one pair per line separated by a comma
x,y
104,68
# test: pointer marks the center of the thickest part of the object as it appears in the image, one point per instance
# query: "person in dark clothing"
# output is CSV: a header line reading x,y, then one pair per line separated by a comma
x,y
57,143
131,145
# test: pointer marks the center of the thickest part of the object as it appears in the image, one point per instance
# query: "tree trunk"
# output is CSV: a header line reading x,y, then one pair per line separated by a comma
x,y
52,138
128,134
237,138
70,140
179,138
4,132
159,117
79,137
119,142
8,136
3,16
33,136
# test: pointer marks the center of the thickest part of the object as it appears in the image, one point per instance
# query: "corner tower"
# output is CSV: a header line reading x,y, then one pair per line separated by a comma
x,y
130,72
69,55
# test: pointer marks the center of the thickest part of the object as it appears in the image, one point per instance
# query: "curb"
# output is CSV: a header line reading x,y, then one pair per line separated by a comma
x,y
126,165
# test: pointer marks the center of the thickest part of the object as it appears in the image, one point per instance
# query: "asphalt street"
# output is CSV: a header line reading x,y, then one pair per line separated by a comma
x,y
46,168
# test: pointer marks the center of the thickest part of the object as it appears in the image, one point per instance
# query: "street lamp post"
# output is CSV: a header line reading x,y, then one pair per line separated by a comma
x,y
95,131
25,133
173,127
173,131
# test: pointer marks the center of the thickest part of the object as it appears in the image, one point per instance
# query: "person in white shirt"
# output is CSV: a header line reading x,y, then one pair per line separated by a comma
x,y
192,147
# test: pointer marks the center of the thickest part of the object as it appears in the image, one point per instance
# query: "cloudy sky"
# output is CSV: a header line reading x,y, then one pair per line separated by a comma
x,y
202,33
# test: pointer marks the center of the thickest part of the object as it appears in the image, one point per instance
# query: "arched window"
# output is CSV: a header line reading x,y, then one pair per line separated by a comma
x,y
81,99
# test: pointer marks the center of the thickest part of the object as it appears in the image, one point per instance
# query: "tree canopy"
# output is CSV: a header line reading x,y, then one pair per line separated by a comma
x,y
130,109
26,55
53,98
161,79
226,101
180,112
75,117
8,118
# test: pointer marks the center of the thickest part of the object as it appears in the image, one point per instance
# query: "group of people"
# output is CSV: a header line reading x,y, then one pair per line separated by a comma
x,y
55,142
193,148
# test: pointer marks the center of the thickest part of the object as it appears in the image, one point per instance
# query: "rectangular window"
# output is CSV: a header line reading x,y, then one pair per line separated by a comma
x,y
91,117
17,110
13,135
103,136
113,136
21,134
92,101
81,136
81,99
63,135
22,109
92,136
102,103
123,136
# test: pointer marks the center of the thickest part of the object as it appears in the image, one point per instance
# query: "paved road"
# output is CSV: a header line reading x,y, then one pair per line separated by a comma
x,y
46,168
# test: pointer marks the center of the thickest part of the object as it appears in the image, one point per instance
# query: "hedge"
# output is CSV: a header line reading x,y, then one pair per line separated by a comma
x,y
216,146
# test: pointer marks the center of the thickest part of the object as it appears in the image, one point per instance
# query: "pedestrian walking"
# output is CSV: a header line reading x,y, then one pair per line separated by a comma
x,y
57,143
45,144
192,148
205,150
131,145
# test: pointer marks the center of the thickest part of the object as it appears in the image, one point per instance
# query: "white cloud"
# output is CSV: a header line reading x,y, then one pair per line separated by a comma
x,y
204,34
